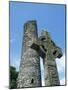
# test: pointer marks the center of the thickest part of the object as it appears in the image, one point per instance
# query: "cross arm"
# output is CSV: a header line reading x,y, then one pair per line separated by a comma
x,y
59,53
37,45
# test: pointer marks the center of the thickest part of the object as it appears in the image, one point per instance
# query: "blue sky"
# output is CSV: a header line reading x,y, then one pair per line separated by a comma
x,y
48,16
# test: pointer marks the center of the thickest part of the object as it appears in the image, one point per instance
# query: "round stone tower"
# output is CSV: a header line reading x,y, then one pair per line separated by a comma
x,y
29,72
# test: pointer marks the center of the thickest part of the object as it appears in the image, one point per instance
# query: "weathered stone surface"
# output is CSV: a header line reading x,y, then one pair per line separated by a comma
x,y
52,52
48,50
33,49
29,73
37,45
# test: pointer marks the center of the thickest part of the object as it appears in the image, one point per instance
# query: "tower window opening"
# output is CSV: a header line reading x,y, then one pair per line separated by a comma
x,y
32,81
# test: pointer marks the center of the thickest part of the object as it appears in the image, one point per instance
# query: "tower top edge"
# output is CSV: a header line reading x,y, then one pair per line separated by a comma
x,y
30,21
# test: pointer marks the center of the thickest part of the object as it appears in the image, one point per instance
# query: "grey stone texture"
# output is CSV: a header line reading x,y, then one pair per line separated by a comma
x,y
33,49
49,51
29,73
52,52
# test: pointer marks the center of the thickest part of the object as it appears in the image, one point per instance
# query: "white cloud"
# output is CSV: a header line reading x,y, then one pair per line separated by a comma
x,y
42,71
15,62
61,63
61,69
62,81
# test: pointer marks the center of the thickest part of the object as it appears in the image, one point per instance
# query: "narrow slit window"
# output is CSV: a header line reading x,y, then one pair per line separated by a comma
x,y
32,81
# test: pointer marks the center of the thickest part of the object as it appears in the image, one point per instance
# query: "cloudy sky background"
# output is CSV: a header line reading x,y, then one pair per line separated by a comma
x,y
48,16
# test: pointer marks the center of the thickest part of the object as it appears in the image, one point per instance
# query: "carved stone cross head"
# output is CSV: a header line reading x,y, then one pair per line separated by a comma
x,y
45,44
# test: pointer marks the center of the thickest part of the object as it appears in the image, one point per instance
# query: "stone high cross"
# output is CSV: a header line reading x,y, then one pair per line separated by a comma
x,y
32,49
49,51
